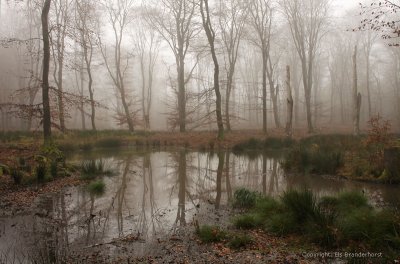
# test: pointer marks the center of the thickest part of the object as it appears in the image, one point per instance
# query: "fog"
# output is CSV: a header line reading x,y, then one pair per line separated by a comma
x,y
182,65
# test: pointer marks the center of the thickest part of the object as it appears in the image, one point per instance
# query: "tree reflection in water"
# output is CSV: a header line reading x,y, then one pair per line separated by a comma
x,y
152,195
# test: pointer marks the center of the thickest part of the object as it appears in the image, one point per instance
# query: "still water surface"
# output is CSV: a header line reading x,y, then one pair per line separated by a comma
x,y
151,195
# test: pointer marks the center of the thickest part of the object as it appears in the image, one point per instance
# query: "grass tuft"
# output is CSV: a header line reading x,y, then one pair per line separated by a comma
x,y
244,198
239,241
97,187
209,234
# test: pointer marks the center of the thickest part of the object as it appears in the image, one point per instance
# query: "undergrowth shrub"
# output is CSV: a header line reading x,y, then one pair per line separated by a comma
x,y
329,221
208,234
244,198
97,187
238,241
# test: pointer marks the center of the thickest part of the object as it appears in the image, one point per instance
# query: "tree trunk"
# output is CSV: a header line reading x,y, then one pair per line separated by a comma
x,y
264,90
60,95
289,111
46,66
82,107
205,14
307,76
274,93
126,110
88,61
228,96
143,91
368,88
181,94
356,97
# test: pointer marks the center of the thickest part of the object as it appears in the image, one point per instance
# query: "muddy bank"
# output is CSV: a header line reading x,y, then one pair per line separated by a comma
x,y
182,245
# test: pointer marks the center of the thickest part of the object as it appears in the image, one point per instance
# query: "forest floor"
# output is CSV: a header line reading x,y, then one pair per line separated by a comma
x,y
184,246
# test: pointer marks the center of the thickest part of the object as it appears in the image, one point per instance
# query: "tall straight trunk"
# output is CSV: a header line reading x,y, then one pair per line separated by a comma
x,y
264,89
333,88
149,93
126,109
228,96
316,87
368,87
46,67
82,108
307,81
205,14
274,91
144,113
296,98
60,95
88,61
356,97
289,99
181,93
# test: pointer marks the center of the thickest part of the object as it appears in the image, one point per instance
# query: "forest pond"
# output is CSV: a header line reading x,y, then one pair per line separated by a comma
x,y
150,195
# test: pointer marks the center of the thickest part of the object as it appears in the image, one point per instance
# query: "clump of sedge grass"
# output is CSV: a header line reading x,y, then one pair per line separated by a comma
x,y
238,241
97,187
329,221
244,198
209,234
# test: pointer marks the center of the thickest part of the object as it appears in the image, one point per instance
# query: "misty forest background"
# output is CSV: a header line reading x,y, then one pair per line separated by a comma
x,y
174,64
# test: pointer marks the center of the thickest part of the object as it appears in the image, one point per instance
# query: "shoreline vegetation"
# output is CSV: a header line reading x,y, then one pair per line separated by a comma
x,y
373,157
345,222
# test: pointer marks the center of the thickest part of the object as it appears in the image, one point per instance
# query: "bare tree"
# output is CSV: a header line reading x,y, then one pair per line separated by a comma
x,y
119,16
261,12
368,42
208,28
86,23
58,45
356,96
232,18
289,99
306,20
34,51
147,46
46,66
174,21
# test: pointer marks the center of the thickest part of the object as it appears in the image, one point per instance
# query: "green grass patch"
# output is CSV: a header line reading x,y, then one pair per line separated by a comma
x,y
244,198
313,160
97,187
336,221
209,234
238,241
248,221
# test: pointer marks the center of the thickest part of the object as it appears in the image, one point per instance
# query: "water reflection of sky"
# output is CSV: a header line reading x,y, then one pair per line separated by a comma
x,y
153,194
